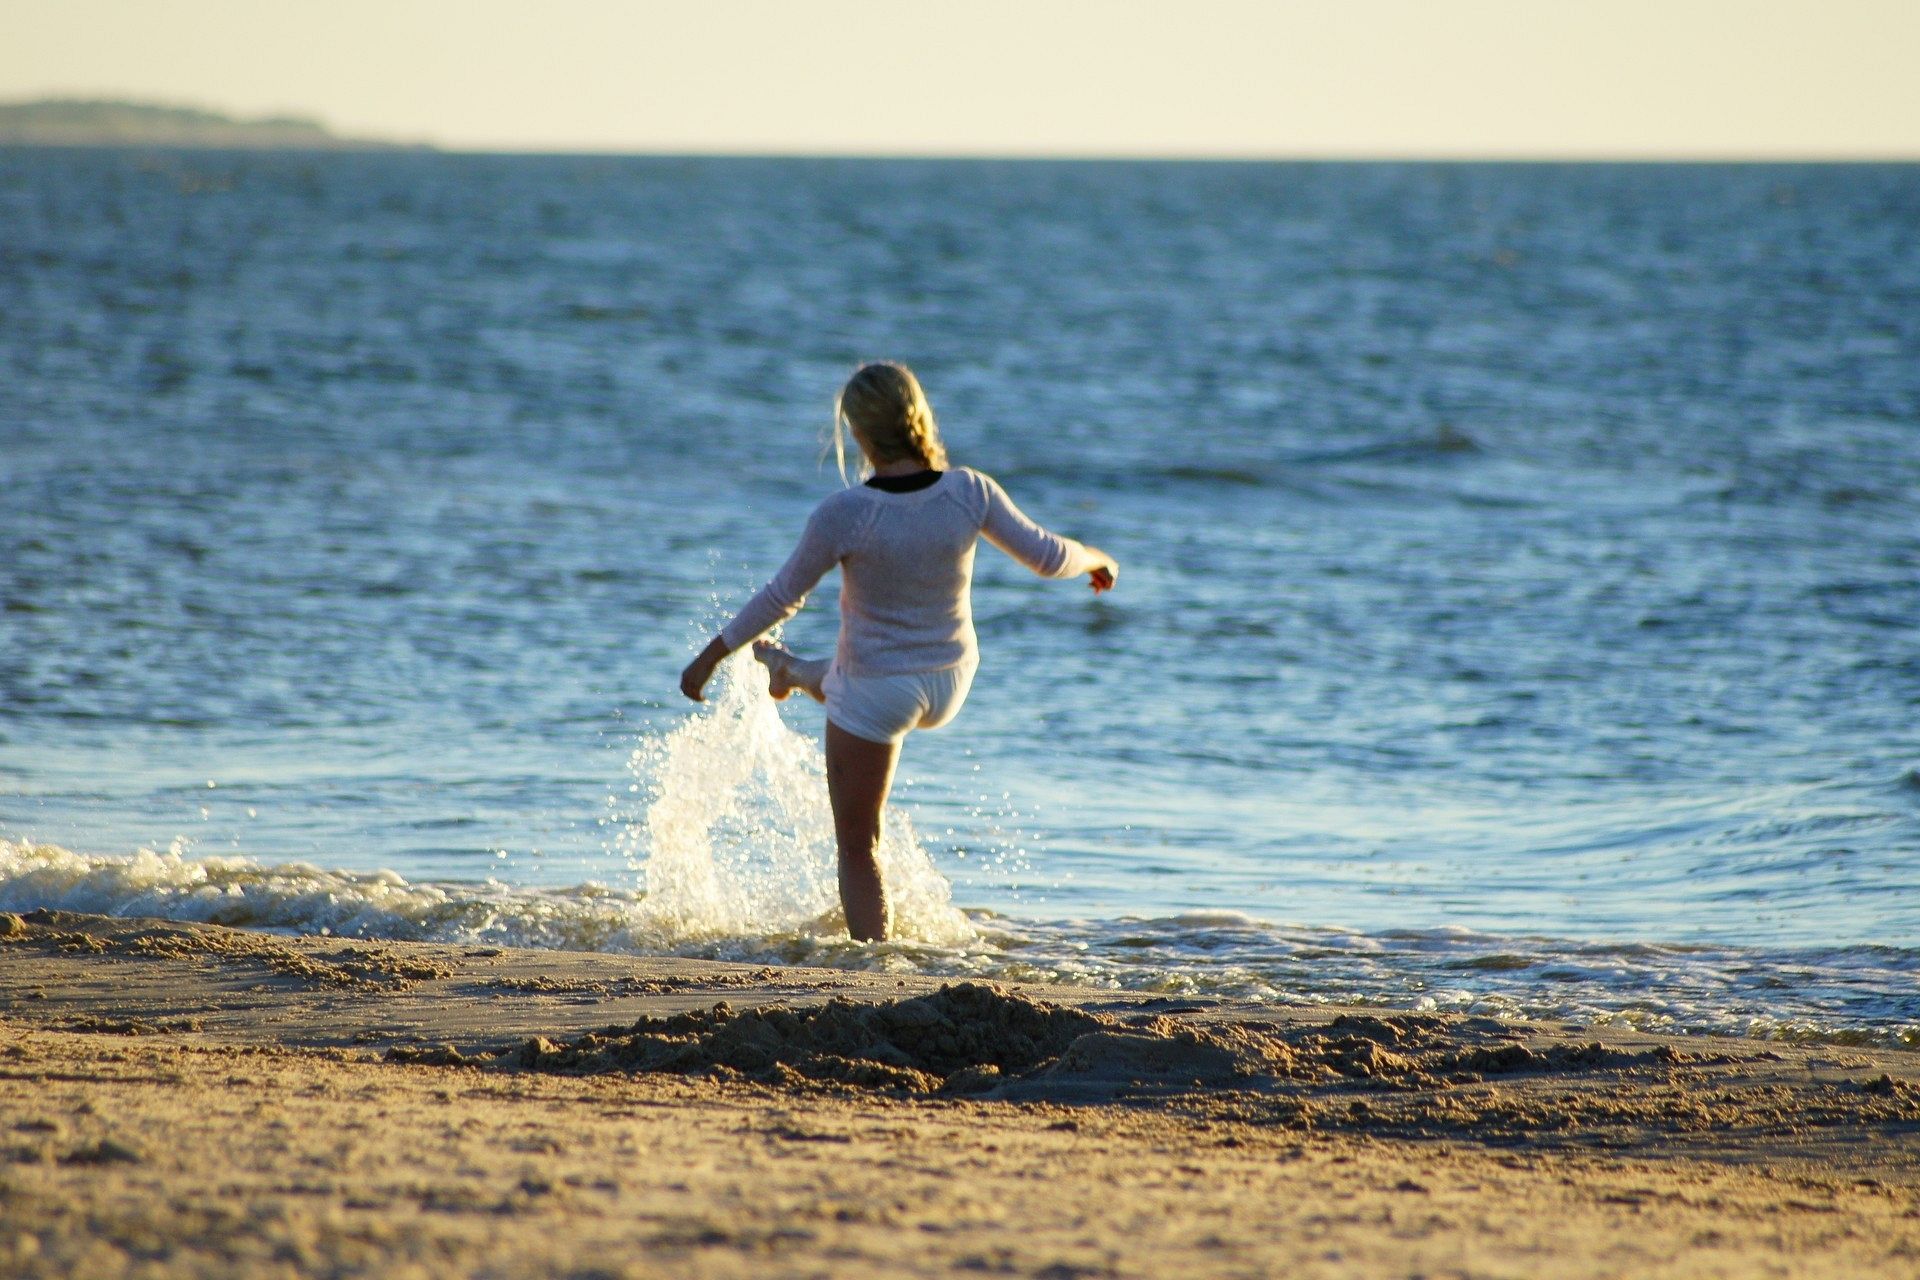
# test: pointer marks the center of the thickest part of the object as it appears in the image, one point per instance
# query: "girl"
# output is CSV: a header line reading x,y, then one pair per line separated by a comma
x,y
906,656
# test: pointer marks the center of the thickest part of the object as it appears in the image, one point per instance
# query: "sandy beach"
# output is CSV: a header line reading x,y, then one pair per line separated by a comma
x,y
185,1100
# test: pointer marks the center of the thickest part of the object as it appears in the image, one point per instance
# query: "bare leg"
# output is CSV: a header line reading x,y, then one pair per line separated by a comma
x,y
787,672
859,775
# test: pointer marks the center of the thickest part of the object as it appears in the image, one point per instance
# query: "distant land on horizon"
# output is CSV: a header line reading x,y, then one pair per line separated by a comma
x,y
109,122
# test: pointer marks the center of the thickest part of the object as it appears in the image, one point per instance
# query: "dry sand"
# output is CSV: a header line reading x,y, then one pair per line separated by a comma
x,y
181,1100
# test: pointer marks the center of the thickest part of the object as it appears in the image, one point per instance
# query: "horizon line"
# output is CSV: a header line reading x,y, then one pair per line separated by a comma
x,y
362,143
1196,156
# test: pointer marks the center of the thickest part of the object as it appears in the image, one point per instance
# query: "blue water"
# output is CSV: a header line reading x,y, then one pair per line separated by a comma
x,y
1519,592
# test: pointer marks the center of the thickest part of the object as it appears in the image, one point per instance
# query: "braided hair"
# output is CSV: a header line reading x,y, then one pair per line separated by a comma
x,y
884,407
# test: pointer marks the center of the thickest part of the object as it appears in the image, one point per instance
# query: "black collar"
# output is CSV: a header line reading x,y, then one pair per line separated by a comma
x,y
904,484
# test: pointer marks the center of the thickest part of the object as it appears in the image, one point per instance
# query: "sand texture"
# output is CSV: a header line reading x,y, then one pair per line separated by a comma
x,y
182,1100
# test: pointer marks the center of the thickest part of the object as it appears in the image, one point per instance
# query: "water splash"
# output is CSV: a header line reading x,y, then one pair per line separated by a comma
x,y
736,840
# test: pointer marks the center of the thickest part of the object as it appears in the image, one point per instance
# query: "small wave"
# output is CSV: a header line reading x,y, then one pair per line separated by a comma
x,y
297,897
590,311
1218,920
1444,442
1248,476
300,898
1494,962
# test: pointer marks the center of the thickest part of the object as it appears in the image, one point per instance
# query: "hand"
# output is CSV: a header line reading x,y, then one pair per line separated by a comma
x,y
1101,578
694,679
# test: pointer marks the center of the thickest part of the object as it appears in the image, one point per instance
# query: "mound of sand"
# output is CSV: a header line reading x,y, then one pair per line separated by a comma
x,y
971,1038
962,1038
975,1038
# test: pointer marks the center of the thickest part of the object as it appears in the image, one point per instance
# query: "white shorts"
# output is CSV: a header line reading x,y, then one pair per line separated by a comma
x,y
887,708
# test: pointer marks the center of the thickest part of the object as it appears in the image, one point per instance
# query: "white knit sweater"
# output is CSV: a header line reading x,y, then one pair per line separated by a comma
x,y
906,562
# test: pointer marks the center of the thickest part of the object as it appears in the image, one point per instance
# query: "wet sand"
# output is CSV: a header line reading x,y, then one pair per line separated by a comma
x,y
180,1100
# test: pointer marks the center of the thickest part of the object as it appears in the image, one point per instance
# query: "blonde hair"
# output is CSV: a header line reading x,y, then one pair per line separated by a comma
x,y
888,414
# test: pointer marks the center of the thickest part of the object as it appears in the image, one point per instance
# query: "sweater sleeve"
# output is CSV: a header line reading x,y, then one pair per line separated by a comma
x,y
782,597
1047,554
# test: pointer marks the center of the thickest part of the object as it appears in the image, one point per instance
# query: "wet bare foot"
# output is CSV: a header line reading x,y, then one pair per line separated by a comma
x,y
778,662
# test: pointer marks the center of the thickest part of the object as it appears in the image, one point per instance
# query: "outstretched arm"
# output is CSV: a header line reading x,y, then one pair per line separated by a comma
x,y
772,605
1046,553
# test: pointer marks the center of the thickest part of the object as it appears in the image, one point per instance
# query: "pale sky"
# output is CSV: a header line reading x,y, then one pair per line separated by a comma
x,y
1259,78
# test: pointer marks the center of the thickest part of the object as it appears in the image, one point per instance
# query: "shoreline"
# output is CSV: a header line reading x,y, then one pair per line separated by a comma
x,y
182,1099
1851,993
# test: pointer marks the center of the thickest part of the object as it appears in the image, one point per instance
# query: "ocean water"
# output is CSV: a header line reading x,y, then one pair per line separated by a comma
x,y
1520,565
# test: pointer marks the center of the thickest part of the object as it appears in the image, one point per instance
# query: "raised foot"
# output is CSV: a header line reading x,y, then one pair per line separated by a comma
x,y
779,665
